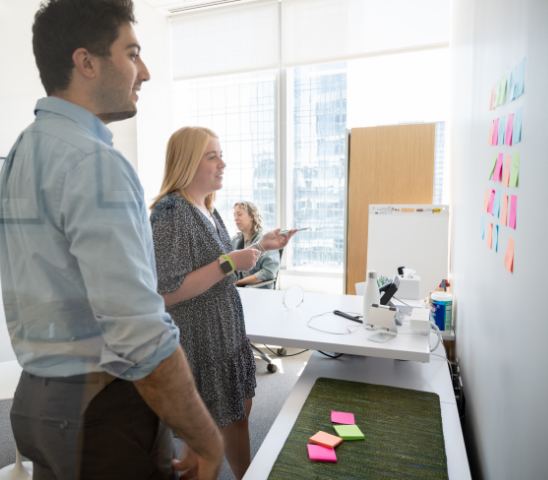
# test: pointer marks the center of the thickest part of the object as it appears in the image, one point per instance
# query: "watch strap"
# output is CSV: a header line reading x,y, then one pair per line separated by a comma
x,y
227,258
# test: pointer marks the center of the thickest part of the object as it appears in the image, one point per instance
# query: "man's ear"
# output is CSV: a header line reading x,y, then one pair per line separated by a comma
x,y
85,63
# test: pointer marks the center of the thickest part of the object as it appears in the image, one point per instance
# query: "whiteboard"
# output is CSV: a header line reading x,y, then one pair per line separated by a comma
x,y
414,236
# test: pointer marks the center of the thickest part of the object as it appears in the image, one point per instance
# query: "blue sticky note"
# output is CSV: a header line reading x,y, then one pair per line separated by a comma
x,y
512,87
496,204
520,81
516,135
482,227
502,130
495,237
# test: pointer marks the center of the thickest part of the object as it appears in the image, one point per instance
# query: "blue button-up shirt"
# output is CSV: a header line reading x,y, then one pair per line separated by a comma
x,y
76,255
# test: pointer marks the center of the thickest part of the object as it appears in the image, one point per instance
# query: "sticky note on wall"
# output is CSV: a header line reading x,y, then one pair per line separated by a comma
x,y
516,135
493,93
507,168
514,175
512,85
486,201
520,80
502,128
498,168
491,201
482,227
495,237
504,89
513,211
504,210
489,234
491,133
496,204
509,256
509,127
495,132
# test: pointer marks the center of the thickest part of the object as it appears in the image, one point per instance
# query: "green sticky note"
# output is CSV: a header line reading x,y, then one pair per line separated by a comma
x,y
514,175
497,96
493,167
503,89
349,432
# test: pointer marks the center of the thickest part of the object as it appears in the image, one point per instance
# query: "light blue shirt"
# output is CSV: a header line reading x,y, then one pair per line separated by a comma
x,y
76,254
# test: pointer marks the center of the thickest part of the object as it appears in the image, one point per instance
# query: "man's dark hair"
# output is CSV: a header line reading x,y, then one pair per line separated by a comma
x,y
62,26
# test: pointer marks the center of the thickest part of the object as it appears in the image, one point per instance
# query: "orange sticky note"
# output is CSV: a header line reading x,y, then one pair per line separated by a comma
x,y
504,210
486,202
493,95
490,235
491,133
509,257
507,168
326,440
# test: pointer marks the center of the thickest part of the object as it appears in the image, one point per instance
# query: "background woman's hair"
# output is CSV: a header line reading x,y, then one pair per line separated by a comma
x,y
62,26
253,212
185,149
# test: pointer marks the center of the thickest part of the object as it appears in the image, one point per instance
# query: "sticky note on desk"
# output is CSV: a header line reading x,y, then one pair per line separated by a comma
x,y
342,417
516,135
509,127
349,432
514,175
513,211
504,210
509,256
317,453
325,439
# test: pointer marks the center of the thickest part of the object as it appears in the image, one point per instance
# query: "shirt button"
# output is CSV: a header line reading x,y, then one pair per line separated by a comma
x,y
128,376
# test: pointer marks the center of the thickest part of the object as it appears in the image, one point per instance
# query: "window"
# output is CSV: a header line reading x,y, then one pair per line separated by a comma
x,y
240,109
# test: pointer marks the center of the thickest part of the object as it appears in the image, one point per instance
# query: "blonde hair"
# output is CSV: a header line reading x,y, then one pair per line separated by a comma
x,y
253,212
185,149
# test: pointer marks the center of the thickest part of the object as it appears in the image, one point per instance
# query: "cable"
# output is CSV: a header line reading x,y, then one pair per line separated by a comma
x,y
448,362
278,355
396,298
331,356
348,332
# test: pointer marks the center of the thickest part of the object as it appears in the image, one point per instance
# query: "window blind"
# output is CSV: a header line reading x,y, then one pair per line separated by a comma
x,y
234,38
321,31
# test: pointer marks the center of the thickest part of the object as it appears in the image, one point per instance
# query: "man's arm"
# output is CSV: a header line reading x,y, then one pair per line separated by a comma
x,y
170,391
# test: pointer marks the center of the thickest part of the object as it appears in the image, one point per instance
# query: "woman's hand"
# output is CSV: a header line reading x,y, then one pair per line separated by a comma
x,y
272,241
244,259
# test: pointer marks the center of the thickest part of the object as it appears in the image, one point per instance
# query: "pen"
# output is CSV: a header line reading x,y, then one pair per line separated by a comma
x,y
349,317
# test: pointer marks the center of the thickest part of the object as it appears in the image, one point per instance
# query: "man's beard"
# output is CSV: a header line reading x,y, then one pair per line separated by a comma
x,y
112,98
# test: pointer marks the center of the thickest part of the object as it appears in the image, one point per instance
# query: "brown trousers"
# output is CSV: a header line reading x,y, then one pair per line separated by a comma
x,y
89,427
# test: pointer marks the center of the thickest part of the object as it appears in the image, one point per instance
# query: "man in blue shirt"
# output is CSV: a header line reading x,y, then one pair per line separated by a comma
x,y
101,357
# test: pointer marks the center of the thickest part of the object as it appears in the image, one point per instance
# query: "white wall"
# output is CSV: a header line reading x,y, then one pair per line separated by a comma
x,y
500,317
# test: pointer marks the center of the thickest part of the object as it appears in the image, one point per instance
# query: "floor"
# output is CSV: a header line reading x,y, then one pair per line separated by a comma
x,y
272,391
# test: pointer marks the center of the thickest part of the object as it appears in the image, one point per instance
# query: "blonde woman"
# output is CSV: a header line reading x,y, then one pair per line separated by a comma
x,y
250,223
195,263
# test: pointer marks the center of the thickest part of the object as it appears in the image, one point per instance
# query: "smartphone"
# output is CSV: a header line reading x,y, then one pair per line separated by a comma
x,y
283,232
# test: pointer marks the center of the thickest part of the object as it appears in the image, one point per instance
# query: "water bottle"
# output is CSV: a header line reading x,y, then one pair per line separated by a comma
x,y
371,294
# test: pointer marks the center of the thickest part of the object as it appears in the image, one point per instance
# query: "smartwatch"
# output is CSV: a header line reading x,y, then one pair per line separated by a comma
x,y
226,265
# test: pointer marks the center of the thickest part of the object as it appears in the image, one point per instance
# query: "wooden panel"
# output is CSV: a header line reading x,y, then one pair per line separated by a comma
x,y
388,165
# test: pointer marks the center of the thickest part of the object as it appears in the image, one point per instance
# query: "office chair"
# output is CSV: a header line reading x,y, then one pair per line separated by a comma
x,y
281,351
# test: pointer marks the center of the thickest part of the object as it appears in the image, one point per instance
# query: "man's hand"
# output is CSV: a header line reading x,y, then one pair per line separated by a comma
x,y
272,241
193,467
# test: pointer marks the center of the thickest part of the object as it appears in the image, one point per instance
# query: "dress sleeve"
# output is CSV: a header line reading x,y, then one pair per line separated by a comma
x,y
270,264
171,233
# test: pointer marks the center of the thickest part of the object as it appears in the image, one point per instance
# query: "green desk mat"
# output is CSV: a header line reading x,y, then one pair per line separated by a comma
x,y
403,434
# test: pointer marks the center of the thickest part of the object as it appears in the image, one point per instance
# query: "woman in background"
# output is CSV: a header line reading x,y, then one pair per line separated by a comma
x,y
250,223
195,262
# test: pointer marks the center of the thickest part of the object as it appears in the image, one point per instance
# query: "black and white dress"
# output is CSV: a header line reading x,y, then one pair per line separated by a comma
x,y
212,324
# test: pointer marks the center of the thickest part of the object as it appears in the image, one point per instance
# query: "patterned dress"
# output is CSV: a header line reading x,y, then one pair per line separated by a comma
x,y
212,323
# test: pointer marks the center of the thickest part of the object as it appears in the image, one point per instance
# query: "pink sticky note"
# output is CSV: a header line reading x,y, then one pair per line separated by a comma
x,y
513,211
342,417
491,201
317,453
495,132
504,210
498,168
509,128
507,168
491,132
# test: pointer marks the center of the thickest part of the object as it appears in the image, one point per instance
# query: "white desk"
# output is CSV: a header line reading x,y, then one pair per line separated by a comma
x,y
430,377
268,321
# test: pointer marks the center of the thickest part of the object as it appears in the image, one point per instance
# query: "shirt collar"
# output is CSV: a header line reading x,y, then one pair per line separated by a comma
x,y
77,114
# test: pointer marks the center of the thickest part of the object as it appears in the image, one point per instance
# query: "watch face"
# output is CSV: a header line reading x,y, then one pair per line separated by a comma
x,y
226,267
